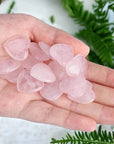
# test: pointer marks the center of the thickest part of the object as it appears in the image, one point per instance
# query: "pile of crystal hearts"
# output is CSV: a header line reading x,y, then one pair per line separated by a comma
x,y
53,71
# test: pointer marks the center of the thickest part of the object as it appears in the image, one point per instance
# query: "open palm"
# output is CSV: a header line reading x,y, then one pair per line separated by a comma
x,y
62,112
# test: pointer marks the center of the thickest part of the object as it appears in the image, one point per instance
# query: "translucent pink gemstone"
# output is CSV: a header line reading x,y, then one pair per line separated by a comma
x,y
12,76
58,70
77,66
62,53
45,48
51,91
73,86
37,52
27,84
87,97
7,65
43,72
17,47
29,62
88,85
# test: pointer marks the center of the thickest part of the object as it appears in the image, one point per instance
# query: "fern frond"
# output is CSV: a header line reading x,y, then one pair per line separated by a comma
x,y
97,31
77,12
111,6
95,137
100,51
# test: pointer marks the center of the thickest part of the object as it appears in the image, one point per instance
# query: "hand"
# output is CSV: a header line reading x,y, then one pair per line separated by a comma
x,y
62,112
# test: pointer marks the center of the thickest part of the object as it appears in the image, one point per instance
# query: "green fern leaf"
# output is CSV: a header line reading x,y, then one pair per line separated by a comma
x,y
96,137
97,32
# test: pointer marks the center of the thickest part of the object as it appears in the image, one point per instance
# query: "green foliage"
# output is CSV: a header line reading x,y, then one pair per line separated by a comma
x,y
97,32
95,137
52,19
11,7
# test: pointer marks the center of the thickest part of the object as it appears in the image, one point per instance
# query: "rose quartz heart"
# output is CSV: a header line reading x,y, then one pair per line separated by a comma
x,y
45,48
7,65
58,70
51,91
17,47
29,62
77,66
37,52
87,97
73,86
43,73
12,76
27,84
62,53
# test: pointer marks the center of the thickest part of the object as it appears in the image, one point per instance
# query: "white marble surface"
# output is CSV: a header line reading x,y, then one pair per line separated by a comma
x,y
16,131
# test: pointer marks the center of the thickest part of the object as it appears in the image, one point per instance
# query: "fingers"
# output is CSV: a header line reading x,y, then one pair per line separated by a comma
x,y
100,74
51,35
100,113
104,95
43,112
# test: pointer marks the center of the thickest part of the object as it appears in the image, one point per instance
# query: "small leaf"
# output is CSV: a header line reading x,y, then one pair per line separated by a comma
x,y
11,7
52,19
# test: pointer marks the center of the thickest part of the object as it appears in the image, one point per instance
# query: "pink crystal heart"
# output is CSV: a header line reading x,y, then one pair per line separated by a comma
x,y
37,52
45,48
62,53
73,86
12,76
7,65
58,70
77,66
88,95
43,73
27,84
51,91
29,62
17,47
